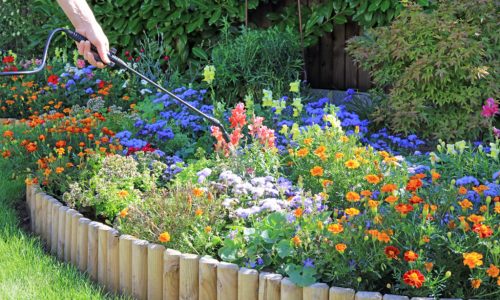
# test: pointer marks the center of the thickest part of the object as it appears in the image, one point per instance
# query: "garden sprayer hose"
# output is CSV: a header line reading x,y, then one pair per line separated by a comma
x,y
115,61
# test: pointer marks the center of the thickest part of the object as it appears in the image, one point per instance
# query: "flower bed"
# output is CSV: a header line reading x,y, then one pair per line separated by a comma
x,y
314,202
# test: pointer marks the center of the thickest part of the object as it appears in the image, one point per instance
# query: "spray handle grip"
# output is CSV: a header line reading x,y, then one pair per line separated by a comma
x,y
78,38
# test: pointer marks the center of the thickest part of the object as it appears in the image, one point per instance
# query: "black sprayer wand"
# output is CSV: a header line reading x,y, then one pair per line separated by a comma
x,y
115,61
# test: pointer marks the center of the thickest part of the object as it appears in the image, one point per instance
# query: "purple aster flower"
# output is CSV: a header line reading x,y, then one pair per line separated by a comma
x,y
308,263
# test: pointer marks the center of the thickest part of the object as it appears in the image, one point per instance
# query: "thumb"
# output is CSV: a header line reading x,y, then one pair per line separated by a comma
x,y
103,51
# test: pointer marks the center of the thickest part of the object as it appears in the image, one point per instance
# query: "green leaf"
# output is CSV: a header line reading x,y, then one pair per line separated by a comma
x,y
385,5
215,16
195,25
228,251
284,248
301,276
200,53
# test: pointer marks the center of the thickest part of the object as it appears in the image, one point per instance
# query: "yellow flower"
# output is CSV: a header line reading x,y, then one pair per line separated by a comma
x,y
352,211
352,164
294,86
164,237
208,229
308,141
209,74
124,212
60,151
473,259
197,192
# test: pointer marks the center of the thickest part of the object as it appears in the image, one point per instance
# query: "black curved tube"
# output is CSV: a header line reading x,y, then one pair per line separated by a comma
x,y
116,61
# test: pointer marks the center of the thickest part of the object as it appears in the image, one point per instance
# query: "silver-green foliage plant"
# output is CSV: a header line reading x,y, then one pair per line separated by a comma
x,y
437,68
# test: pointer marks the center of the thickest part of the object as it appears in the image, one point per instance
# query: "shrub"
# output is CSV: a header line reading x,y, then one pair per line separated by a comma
x,y
256,60
437,68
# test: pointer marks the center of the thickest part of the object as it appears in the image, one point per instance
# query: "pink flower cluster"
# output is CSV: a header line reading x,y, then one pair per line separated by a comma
x,y
490,109
238,120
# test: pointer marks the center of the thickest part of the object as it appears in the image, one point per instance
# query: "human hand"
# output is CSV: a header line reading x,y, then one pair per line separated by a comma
x,y
95,35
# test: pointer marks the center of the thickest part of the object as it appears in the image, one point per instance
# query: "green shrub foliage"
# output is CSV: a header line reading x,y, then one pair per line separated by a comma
x,y
256,60
436,67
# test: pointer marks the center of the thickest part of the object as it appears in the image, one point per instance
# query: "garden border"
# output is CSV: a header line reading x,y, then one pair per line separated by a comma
x,y
144,270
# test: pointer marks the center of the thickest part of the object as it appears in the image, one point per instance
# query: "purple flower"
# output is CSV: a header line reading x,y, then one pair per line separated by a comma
x,y
308,263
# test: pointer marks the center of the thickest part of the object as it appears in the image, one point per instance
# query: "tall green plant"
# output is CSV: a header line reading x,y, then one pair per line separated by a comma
x,y
437,68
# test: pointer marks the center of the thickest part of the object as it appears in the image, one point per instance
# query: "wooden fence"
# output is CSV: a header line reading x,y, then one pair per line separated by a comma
x,y
328,66
127,265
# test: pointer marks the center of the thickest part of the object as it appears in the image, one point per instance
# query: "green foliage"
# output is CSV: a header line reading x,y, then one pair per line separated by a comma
x,y
256,60
437,67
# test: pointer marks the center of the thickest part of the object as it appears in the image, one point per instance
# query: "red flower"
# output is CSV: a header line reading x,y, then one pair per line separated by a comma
x,y
391,252
101,84
414,184
8,59
414,278
410,256
53,79
404,208
238,116
482,230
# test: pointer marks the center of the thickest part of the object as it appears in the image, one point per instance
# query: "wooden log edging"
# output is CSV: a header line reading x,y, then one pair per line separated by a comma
x,y
129,266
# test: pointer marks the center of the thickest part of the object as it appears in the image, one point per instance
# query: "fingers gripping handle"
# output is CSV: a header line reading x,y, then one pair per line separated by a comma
x,y
78,38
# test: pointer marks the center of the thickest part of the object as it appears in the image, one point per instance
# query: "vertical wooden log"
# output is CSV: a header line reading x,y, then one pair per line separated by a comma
x,y
45,219
368,296
263,285
397,297
54,237
38,213
82,244
188,276
140,269
338,293
290,291
28,198
208,278
74,236
102,254
61,231
155,271
227,281
33,208
93,249
171,262
273,291
67,234
316,291
125,261
248,284
113,264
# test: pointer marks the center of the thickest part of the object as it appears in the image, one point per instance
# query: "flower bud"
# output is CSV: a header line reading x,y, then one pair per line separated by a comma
x,y
359,279
447,274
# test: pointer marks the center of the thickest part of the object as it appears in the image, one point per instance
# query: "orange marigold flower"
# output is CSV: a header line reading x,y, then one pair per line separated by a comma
x,y
465,204
8,134
373,179
335,228
415,199
418,176
60,144
476,283
388,188
413,185
339,155
298,212
426,239
404,208
435,176
122,193
391,252
60,151
497,208
476,219
320,150
483,208
366,193
414,278
352,196
352,164
59,170
462,190
41,137
208,229
383,237
296,240
326,182
482,230
352,212
198,212
197,192
340,247
410,256
344,139
493,271
473,259
164,237
31,147
317,171
428,266
391,199
302,152
6,154
373,203
308,141
124,212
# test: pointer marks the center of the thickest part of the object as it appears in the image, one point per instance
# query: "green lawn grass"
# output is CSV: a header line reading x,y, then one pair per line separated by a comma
x,y
26,270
